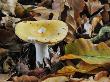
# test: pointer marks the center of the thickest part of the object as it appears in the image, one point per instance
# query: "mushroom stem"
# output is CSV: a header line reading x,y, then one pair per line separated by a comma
x,y
41,53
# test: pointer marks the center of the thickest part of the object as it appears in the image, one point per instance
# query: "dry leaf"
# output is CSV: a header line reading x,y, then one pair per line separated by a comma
x,y
67,70
8,6
71,26
22,68
46,3
58,5
107,42
12,5
86,68
77,6
85,50
95,21
38,72
105,16
44,13
100,75
6,64
19,10
93,5
76,79
25,78
68,56
56,79
4,77
9,22
82,66
79,47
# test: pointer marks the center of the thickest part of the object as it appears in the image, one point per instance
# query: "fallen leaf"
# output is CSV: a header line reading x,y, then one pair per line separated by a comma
x,y
68,57
25,78
44,13
100,75
56,79
85,50
67,70
71,26
4,77
58,5
93,5
19,10
85,67
8,6
7,64
108,43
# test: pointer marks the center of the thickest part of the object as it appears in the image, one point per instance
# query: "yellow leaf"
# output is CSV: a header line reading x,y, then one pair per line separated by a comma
x,y
68,56
67,70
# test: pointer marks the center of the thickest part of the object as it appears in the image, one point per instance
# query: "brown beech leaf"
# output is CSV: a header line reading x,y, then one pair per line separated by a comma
x,y
19,10
93,5
44,13
76,79
71,21
71,26
4,77
100,75
8,6
97,70
79,4
94,22
85,67
58,5
25,78
56,79
45,3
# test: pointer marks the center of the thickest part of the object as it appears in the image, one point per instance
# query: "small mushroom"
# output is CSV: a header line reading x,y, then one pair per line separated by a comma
x,y
42,33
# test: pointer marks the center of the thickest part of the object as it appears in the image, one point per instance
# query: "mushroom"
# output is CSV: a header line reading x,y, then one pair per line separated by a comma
x,y
42,33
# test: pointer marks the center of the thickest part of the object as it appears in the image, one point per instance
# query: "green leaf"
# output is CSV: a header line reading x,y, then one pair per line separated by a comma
x,y
88,52
96,59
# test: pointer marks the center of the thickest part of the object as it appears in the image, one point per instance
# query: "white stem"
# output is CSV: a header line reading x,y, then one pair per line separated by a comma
x,y
41,53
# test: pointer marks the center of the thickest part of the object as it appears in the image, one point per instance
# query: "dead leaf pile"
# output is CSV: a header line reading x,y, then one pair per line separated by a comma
x,y
86,20
91,56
